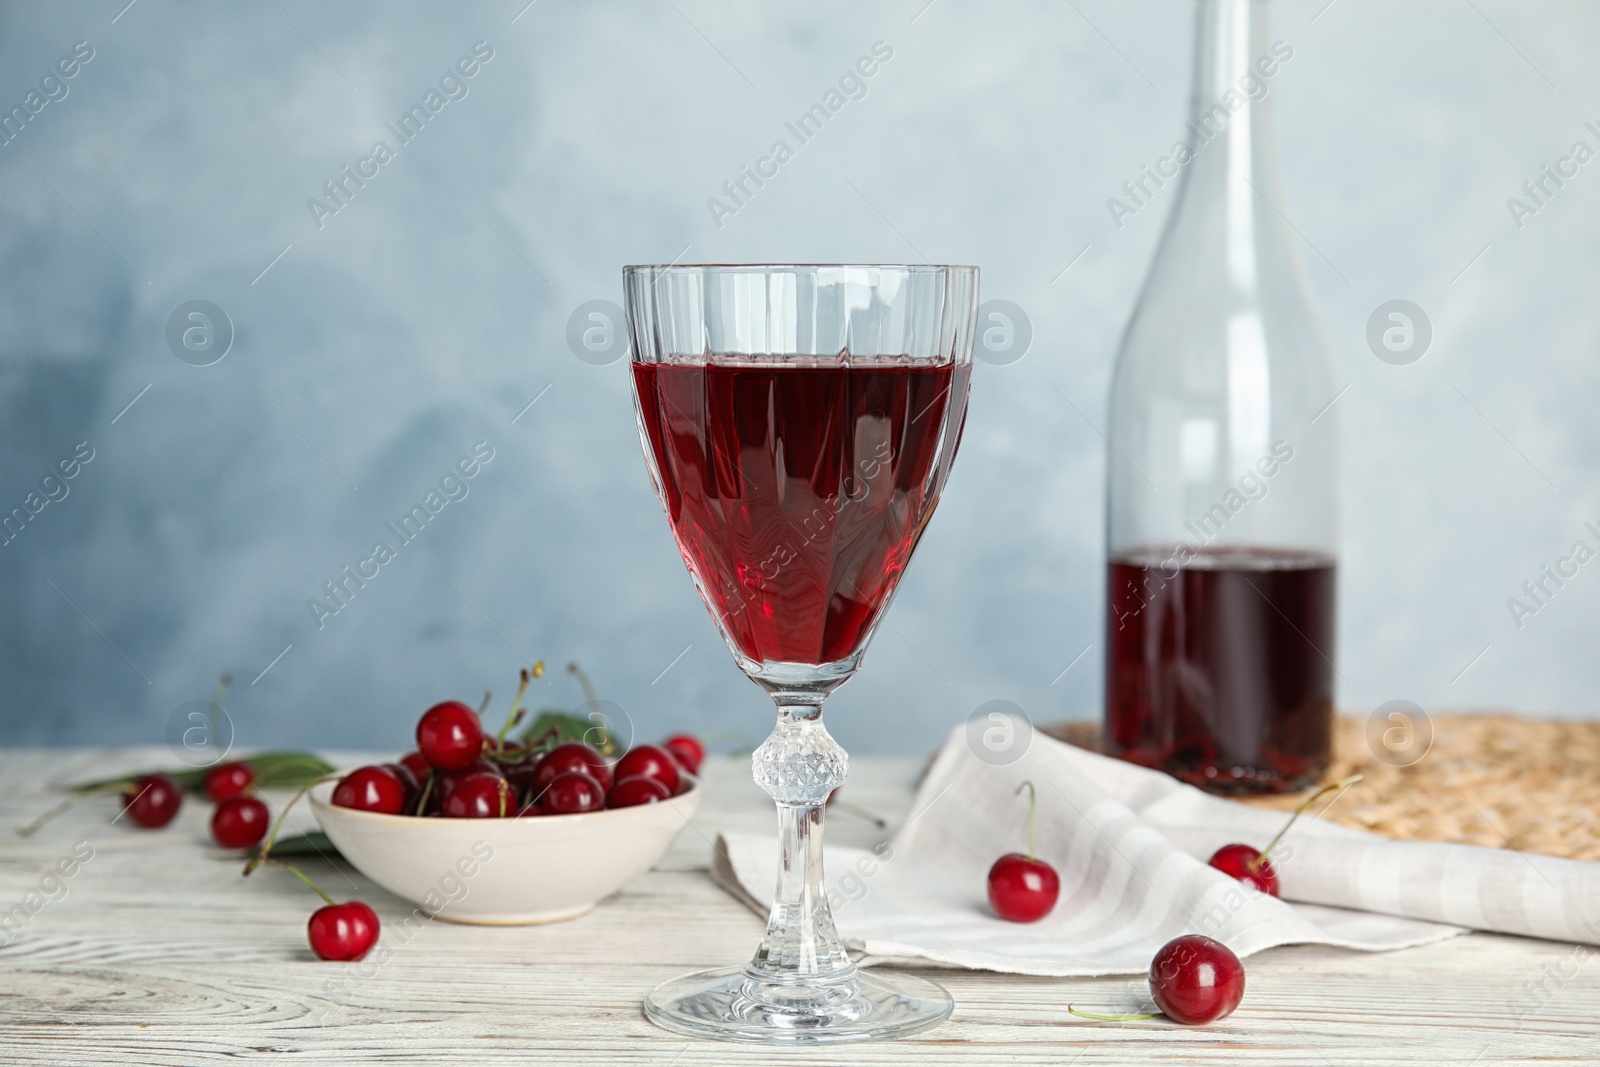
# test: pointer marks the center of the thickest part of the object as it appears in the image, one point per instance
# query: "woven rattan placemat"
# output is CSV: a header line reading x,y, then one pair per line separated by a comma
x,y
1496,780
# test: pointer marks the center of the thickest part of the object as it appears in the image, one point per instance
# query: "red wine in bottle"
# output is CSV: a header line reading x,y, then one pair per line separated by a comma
x,y
1221,528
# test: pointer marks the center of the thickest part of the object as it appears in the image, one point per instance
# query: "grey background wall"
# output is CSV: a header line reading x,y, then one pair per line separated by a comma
x,y
375,345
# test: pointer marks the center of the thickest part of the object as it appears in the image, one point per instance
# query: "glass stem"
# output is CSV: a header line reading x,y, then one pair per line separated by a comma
x,y
799,765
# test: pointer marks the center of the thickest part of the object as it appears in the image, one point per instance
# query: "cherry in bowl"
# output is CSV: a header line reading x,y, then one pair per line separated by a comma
x,y
651,761
687,750
572,793
633,791
449,736
569,757
372,788
479,795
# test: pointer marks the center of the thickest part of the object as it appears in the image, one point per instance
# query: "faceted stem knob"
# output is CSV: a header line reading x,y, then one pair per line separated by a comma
x,y
800,763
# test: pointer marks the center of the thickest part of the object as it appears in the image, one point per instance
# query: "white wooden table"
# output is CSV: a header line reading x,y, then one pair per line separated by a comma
x,y
159,953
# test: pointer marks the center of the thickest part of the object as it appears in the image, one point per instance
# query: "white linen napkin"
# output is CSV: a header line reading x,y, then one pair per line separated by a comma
x,y
1131,845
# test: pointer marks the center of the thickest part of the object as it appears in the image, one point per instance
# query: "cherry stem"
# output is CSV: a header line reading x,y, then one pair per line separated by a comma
x,y
422,797
484,705
1261,856
72,802
261,856
1033,803
223,685
297,873
1109,1018
583,680
514,716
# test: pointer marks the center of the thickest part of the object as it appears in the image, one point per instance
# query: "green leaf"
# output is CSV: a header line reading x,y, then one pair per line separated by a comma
x,y
276,770
315,843
553,726
288,770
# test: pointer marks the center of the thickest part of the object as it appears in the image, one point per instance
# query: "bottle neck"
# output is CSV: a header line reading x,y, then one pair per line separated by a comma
x,y
1232,178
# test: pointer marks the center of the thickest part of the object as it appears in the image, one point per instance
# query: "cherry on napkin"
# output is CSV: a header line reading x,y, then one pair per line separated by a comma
x,y
1130,845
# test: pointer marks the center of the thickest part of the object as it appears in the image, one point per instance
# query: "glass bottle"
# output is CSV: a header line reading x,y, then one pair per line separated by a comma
x,y
1221,478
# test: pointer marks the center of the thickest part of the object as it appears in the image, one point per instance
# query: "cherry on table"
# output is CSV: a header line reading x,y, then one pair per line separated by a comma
x,y
568,757
1196,979
1023,889
687,750
1249,865
449,736
343,932
240,822
631,792
153,801
229,780
571,794
479,795
650,761
371,788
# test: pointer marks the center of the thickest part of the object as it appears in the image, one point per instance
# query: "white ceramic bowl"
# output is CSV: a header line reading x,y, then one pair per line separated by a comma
x,y
505,872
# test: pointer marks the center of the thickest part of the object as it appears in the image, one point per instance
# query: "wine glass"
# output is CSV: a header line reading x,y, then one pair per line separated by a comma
x,y
799,422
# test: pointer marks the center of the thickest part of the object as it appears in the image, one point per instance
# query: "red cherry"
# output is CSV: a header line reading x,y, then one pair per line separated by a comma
x,y
1021,889
687,750
153,801
449,736
343,931
408,782
371,789
418,766
479,795
240,822
443,783
630,792
1250,865
521,776
567,758
486,766
1195,979
650,761
229,780
571,794
1235,861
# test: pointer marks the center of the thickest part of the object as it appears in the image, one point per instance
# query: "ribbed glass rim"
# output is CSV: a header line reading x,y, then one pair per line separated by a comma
x,y
691,268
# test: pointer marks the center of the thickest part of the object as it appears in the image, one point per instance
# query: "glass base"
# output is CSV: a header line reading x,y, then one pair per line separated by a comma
x,y
730,1004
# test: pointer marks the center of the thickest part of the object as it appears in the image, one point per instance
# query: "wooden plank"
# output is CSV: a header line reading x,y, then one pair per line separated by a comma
x,y
159,953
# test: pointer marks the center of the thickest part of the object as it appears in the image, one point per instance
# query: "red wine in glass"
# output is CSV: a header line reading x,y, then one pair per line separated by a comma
x,y
797,490
800,422
1220,669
